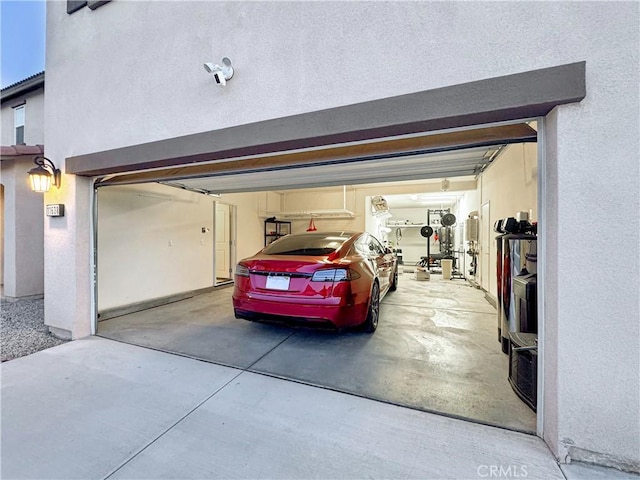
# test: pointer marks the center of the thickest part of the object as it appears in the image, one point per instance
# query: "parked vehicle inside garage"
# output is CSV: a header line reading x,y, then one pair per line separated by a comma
x,y
335,278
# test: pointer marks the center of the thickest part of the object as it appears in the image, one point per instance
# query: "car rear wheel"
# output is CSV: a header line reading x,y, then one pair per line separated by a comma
x,y
371,323
394,280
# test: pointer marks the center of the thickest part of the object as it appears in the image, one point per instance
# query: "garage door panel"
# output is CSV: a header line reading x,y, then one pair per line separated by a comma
x,y
443,154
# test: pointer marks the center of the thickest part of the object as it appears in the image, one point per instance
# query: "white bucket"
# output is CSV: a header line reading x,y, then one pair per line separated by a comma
x,y
447,266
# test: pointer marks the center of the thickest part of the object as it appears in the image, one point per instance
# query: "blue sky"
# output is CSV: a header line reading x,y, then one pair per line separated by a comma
x,y
22,39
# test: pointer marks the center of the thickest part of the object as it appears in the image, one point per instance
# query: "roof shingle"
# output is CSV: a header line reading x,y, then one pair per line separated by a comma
x,y
18,150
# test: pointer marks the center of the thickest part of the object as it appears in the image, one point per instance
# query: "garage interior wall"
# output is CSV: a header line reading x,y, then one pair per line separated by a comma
x,y
332,198
151,244
148,247
510,185
250,226
413,244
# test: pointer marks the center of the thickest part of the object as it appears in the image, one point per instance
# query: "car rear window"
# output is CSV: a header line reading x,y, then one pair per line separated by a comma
x,y
312,245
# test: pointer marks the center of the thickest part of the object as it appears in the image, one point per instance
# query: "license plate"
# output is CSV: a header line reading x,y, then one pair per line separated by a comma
x,y
278,283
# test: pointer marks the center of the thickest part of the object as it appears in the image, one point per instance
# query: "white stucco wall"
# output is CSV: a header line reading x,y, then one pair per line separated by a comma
x,y
137,76
33,121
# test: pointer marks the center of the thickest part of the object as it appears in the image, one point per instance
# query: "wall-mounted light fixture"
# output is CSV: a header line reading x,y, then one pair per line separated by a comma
x,y
220,73
44,174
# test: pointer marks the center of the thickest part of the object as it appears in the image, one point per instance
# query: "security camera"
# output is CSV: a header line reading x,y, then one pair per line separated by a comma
x,y
218,76
220,73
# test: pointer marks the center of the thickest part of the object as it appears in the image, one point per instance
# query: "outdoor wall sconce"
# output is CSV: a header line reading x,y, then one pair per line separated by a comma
x,y
44,174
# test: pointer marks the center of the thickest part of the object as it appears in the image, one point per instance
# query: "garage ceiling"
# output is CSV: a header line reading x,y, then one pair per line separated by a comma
x,y
425,200
435,165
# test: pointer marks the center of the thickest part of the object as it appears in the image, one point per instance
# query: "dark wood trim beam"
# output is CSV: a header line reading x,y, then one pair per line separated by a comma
x,y
75,5
97,3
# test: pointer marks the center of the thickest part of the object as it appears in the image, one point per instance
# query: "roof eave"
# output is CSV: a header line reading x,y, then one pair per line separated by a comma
x,y
21,88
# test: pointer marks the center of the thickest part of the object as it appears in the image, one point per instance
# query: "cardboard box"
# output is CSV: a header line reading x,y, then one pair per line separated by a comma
x,y
421,274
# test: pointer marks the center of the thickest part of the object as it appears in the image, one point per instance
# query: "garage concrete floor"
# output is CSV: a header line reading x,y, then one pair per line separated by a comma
x,y
435,349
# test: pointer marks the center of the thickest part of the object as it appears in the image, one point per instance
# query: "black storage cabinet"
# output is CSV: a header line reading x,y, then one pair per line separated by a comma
x,y
274,229
526,308
523,366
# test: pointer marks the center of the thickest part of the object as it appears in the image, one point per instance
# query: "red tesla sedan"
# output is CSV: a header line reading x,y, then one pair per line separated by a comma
x,y
335,278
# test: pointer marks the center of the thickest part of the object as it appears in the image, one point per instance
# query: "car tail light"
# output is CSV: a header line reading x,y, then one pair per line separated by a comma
x,y
335,275
242,271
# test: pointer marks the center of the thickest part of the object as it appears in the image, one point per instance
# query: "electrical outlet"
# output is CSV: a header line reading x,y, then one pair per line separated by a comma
x,y
171,243
202,241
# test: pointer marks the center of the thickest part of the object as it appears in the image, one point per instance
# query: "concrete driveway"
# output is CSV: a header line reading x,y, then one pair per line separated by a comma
x,y
435,349
96,408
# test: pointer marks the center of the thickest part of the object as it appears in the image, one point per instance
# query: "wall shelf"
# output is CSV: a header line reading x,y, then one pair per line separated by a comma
x,y
404,225
306,214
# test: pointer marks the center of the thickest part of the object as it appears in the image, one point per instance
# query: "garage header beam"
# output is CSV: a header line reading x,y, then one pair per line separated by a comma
x,y
523,95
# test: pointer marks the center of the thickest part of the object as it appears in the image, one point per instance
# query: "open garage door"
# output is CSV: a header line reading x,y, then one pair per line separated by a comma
x,y
436,346
451,154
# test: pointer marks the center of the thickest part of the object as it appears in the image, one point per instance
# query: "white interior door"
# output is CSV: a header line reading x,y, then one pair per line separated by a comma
x,y
223,244
485,247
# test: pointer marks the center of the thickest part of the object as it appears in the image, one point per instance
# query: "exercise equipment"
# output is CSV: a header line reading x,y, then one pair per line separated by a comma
x,y
426,231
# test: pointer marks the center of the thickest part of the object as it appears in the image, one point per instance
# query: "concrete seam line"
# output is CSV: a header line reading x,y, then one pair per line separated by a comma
x,y
127,461
162,434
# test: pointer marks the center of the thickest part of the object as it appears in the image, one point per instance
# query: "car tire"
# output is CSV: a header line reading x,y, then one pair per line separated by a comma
x,y
373,312
394,281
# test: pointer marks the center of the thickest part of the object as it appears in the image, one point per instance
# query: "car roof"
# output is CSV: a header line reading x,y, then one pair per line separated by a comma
x,y
331,233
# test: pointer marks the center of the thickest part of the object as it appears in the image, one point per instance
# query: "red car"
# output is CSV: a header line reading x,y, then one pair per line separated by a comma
x,y
334,278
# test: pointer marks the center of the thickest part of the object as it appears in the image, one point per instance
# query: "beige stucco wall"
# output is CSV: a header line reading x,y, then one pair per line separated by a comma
x,y
23,244
23,236
134,83
2,235
23,248
33,122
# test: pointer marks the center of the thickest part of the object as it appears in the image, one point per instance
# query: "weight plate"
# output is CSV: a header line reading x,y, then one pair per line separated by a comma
x,y
448,219
426,231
